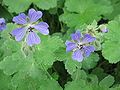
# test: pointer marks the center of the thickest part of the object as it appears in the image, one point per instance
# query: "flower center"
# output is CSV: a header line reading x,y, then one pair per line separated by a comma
x,y
2,24
30,27
79,46
30,30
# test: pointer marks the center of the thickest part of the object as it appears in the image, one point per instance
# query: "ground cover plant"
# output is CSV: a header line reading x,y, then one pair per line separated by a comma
x,y
59,45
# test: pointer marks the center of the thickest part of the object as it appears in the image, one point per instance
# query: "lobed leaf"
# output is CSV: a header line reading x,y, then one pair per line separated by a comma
x,y
111,48
78,12
22,5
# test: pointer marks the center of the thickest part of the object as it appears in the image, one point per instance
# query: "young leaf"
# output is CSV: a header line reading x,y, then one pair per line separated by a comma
x,y
107,81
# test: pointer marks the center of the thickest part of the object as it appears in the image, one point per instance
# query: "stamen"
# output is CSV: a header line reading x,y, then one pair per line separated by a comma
x,y
30,30
2,24
79,46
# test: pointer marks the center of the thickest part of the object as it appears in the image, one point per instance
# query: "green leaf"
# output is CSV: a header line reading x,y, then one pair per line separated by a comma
x,y
45,52
107,81
22,5
45,5
50,84
116,10
91,61
79,74
8,44
111,51
45,58
17,6
79,12
8,47
30,69
92,79
22,81
83,81
18,62
12,64
61,54
81,6
55,75
111,47
4,81
77,85
60,3
99,72
71,19
5,14
6,33
114,28
117,87
25,71
50,43
72,65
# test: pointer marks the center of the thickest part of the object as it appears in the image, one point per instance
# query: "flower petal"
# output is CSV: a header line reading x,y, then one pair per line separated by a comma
x,y
104,30
2,24
19,33
34,15
88,38
70,45
32,39
76,36
20,19
2,20
77,55
88,50
2,27
42,27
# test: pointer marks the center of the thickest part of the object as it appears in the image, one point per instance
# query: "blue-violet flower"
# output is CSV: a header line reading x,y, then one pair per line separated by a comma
x,y
28,26
104,30
2,24
80,45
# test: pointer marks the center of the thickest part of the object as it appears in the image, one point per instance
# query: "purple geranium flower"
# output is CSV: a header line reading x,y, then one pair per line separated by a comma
x,y
2,24
28,25
80,45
